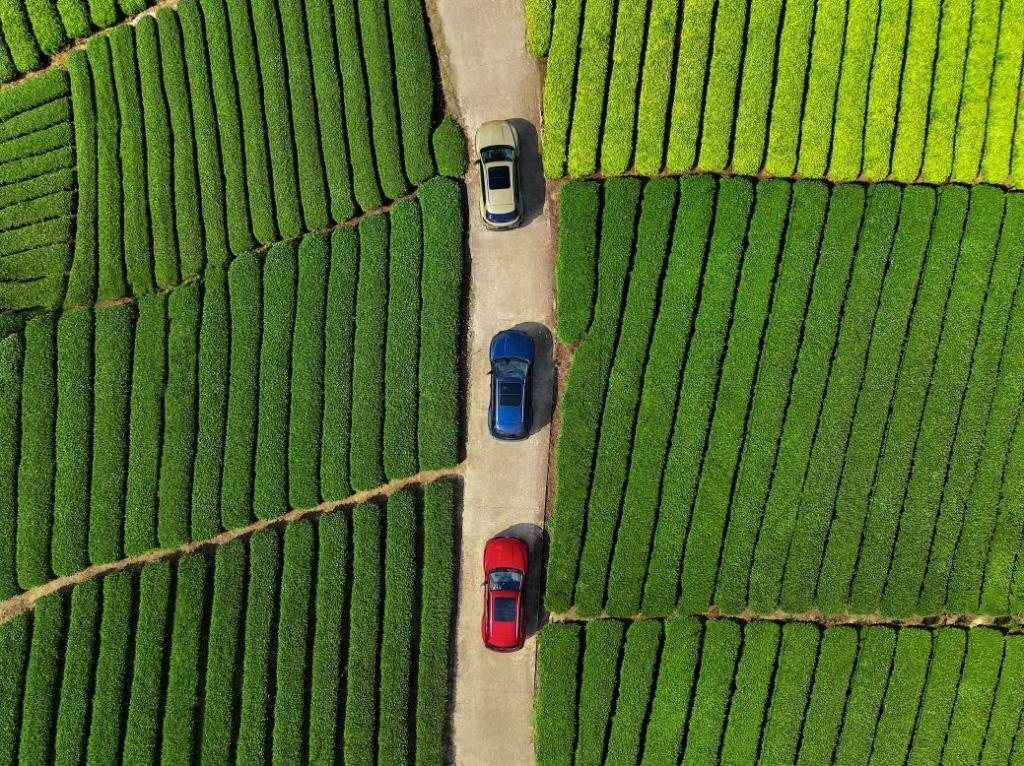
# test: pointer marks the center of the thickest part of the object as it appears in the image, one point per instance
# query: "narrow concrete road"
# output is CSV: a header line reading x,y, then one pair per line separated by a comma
x,y
493,77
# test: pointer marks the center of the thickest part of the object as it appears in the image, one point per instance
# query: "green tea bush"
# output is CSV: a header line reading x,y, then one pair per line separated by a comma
x,y
42,683
18,36
947,86
620,107
365,456
655,86
688,95
576,262
837,653
46,25
380,78
109,221
611,466
974,97
269,492
400,574
149,372
245,295
179,401
137,246
111,387
538,26
639,657
362,674
74,397
755,86
213,382
81,288
1002,100
711,691
793,674
884,89
365,182
160,182
228,111
413,70
588,106
222,652
402,344
581,405
312,184
102,12
450,151
338,339
307,383
36,466
558,85
77,680
181,703
253,122
292,643
723,72
680,655
11,354
435,623
903,693
602,642
327,85
14,651
74,16
325,711
142,722
555,708
749,704
440,324
107,722
187,213
915,91
874,666
253,741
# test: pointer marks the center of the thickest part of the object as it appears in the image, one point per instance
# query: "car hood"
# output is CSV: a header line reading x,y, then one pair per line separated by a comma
x,y
505,553
512,345
500,200
495,133
504,635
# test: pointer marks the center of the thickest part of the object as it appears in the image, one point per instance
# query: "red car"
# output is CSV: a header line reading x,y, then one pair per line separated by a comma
x,y
505,561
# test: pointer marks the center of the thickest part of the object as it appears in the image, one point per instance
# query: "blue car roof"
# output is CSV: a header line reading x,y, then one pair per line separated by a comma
x,y
512,344
510,419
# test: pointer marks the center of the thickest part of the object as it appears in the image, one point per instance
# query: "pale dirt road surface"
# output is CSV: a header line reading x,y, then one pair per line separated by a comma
x,y
491,76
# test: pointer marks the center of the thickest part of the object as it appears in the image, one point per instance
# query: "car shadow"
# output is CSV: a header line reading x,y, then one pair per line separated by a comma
x,y
537,543
531,174
542,376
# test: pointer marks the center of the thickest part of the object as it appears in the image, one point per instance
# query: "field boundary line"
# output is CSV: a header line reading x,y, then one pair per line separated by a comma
x,y
1006,622
25,601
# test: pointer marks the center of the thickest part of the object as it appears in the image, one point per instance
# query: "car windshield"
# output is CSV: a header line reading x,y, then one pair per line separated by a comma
x,y
510,394
498,154
499,177
512,368
505,579
504,609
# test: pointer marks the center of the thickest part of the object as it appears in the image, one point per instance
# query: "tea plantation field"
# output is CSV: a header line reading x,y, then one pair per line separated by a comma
x,y
789,396
323,639
699,692
924,90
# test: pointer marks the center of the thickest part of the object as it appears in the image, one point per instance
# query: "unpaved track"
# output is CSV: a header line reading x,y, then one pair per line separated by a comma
x,y
491,76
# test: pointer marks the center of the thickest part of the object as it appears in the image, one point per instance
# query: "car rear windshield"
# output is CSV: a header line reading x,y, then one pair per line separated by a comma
x,y
499,177
504,609
506,579
498,154
509,395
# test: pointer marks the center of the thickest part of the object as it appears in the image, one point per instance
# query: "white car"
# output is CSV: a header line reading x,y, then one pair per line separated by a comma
x,y
497,155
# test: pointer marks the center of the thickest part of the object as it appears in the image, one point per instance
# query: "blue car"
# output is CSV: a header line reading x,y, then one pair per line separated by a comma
x,y
508,416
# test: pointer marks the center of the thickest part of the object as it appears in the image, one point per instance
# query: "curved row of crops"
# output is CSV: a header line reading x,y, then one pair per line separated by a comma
x,y
700,692
323,642
319,368
37,181
787,395
923,90
202,132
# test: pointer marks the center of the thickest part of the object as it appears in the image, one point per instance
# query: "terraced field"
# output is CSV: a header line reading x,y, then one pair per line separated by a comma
x,y
789,396
913,91
719,691
271,649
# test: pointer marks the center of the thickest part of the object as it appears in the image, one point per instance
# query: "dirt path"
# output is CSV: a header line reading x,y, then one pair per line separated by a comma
x,y
490,76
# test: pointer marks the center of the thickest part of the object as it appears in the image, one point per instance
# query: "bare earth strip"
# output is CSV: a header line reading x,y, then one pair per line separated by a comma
x,y
489,75
23,602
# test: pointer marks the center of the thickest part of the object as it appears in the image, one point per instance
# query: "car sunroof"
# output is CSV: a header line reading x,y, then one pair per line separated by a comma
x,y
499,177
